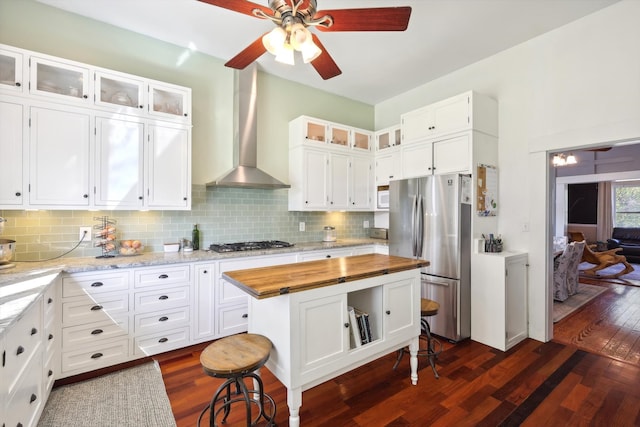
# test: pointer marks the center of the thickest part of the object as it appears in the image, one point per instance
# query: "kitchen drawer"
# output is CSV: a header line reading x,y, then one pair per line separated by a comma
x,y
161,276
161,299
232,320
22,342
83,335
86,310
230,294
92,283
99,356
24,405
50,302
161,320
161,342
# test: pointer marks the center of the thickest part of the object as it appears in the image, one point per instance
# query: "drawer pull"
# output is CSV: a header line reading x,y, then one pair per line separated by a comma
x,y
96,355
50,337
20,350
50,373
163,276
97,332
34,331
96,308
50,300
163,297
388,311
97,284
33,398
163,319
346,325
244,316
163,340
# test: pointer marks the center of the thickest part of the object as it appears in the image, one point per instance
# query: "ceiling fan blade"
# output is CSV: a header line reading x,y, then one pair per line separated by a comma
x,y
324,64
248,55
371,19
241,6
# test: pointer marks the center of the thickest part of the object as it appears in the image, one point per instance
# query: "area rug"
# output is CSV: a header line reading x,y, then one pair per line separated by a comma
x,y
632,278
574,302
133,397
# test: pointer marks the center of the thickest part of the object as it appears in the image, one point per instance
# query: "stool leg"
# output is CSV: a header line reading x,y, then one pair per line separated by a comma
x,y
431,354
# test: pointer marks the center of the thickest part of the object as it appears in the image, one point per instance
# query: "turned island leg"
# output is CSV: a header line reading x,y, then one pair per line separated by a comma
x,y
413,360
294,401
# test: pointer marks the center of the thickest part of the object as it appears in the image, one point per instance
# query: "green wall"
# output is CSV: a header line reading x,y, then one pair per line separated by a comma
x,y
41,28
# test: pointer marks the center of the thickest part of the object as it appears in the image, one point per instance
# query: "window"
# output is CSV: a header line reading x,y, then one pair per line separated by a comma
x,y
626,204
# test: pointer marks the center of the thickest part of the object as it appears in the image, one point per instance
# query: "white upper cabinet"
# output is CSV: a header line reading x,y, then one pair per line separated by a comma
x,y
59,153
467,111
11,138
170,102
388,137
11,78
361,139
59,80
122,93
76,136
316,132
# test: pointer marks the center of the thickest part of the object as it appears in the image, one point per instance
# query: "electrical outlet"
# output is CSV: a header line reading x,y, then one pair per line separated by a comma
x,y
86,233
301,226
365,224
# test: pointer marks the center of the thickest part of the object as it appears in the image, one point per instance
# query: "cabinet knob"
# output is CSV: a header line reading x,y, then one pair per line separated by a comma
x,y
346,325
34,331
184,198
85,96
97,332
49,373
50,300
185,114
18,194
33,398
163,297
163,339
139,197
96,355
245,315
85,196
20,350
205,271
96,284
163,276
96,308
18,84
140,106
328,256
388,311
163,319
50,337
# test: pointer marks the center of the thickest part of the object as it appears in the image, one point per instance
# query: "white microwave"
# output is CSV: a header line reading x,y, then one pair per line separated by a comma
x,y
383,197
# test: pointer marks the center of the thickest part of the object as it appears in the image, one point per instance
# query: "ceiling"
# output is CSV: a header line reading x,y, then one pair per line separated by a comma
x,y
443,36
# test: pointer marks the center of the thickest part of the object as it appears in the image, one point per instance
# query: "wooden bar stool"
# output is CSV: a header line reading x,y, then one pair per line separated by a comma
x,y
433,348
238,357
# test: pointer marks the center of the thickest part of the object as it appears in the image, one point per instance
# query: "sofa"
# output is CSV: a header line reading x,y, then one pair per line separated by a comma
x,y
627,238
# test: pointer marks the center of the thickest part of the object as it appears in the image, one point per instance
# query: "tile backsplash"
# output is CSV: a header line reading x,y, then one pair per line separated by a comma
x,y
223,215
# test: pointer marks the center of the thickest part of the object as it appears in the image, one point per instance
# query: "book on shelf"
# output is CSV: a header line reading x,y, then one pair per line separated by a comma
x,y
365,327
355,328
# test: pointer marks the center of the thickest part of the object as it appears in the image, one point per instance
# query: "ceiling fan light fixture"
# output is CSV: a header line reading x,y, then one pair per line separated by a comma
x,y
571,159
274,40
285,55
309,50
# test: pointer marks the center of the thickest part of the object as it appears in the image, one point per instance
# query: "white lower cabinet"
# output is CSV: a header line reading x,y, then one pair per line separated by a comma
x,y
28,348
499,316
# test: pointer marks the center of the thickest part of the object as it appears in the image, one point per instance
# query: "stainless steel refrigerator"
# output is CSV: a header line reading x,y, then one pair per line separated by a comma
x,y
430,218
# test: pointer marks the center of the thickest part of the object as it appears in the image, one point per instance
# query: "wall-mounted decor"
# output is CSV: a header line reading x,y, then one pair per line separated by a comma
x,y
487,191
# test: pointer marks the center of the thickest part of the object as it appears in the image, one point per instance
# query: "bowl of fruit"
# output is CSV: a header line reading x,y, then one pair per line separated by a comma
x,y
131,247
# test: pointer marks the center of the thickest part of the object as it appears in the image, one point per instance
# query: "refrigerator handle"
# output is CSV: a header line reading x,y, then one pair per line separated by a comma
x,y
420,233
414,207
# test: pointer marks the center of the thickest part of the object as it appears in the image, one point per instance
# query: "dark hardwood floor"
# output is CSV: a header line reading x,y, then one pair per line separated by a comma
x,y
588,375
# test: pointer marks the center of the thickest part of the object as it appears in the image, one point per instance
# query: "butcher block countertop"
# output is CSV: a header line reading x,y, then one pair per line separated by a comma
x,y
277,280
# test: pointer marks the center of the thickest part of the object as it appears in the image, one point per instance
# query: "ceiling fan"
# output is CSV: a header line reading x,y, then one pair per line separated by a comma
x,y
292,17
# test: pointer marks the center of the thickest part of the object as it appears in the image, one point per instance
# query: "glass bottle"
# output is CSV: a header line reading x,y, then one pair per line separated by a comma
x,y
195,237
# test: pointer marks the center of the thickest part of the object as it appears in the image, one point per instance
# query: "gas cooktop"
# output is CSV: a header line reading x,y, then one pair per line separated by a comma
x,y
249,246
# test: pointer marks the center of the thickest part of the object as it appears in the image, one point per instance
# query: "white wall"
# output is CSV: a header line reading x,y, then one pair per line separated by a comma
x,y
573,87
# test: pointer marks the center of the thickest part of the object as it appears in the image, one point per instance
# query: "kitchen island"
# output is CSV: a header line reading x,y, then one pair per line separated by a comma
x,y
303,309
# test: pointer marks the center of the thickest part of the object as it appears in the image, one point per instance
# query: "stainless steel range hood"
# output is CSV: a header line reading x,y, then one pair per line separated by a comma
x,y
245,173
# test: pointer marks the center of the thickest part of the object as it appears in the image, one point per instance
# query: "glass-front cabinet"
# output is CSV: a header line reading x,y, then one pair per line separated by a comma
x,y
339,135
361,140
119,92
389,137
57,79
11,70
315,131
169,102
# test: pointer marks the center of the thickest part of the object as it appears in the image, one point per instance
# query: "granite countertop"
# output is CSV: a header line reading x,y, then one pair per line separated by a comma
x,y
21,285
